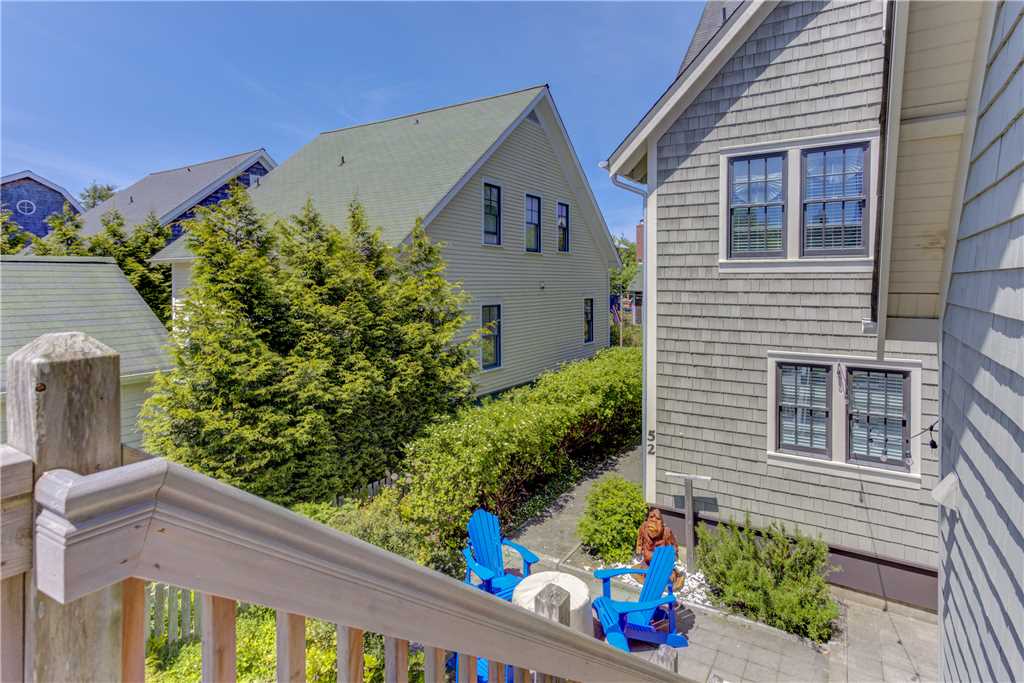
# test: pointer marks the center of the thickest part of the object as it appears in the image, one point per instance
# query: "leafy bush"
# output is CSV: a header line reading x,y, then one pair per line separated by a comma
x,y
496,454
775,579
615,510
632,335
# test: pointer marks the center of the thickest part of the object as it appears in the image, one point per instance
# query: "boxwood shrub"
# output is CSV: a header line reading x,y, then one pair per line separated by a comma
x,y
496,454
771,577
614,512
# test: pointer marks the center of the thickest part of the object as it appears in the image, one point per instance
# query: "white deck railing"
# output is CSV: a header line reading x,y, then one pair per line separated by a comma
x,y
158,521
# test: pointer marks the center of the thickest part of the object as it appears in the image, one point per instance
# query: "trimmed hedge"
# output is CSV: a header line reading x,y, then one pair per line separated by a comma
x,y
614,512
496,454
772,578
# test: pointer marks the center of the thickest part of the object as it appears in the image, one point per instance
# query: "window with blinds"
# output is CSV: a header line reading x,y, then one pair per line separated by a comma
x,y
757,200
878,416
834,201
804,408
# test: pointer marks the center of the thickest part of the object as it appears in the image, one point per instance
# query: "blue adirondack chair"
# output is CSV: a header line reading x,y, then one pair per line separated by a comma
x,y
623,621
483,556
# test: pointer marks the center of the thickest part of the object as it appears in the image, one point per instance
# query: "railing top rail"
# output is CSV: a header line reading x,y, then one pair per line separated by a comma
x,y
160,521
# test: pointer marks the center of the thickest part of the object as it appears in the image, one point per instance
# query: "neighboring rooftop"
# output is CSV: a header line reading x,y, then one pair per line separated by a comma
x,y
41,294
170,193
715,15
29,175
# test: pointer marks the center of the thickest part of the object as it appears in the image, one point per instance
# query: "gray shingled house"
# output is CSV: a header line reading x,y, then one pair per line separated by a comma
x,y
803,177
172,195
90,294
496,181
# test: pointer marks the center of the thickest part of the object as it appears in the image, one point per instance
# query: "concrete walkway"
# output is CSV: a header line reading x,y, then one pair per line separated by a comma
x,y
874,643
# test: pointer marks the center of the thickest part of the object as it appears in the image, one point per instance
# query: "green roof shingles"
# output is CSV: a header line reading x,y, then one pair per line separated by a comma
x,y
399,169
41,294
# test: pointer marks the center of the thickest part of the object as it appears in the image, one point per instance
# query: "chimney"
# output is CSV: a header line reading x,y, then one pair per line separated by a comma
x,y
640,242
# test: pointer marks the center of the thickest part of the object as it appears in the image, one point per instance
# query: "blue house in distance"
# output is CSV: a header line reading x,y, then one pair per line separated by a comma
x,y
31,199
172,195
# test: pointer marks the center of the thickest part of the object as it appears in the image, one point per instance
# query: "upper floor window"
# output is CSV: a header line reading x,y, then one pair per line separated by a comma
x,y
756,206
834,201
563,226
878,417
492,214
588,321
804,408
532,220
490,354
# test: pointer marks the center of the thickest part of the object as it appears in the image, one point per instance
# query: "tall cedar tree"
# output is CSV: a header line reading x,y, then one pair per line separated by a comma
x,y
132,253
65,236
305,356
12,238
95,194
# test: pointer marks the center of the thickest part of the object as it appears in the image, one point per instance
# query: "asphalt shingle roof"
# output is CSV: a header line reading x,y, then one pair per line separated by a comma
x,y
41,294
716,14
163,191
399,169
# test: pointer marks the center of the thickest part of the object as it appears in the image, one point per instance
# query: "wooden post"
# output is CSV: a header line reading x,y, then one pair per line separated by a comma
x,y
665,657
12,629
64,411
159,598
552,602
495,672
466,668
172,614
218,639
133,632
186,615
350,654
291,647
433,665
147,609
396,660
15,558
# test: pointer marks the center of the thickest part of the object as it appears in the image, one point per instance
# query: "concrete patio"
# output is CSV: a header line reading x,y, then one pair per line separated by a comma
x,y
874,641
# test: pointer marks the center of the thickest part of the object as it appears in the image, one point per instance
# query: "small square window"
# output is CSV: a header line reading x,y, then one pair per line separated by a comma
x,y
804,409
563,226
532,221
490,356
588,321
757,201
492,214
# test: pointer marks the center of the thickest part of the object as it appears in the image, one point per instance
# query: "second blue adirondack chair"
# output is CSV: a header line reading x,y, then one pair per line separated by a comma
x,y
623,620
484,559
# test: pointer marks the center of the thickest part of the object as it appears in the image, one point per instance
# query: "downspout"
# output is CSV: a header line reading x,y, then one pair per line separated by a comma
x,y
883,115
617,181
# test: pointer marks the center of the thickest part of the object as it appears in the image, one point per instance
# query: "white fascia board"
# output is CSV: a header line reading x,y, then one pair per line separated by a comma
x,y
259,155
684,90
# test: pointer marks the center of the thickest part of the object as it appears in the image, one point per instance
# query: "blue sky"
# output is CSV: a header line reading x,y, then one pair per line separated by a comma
x,y
113,91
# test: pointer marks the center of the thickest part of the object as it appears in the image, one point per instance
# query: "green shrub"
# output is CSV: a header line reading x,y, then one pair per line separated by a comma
x,y
632,335
615,510
773,578
498,453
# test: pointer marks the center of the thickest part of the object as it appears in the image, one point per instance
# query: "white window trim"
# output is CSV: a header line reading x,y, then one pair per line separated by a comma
x,y
837,465
28,202
501,214
540,217
793,263
480,312
569,206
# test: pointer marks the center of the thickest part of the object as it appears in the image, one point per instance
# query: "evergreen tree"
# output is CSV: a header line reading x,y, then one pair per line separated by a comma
x,y
12,238
307,356
65,236
95,194
132,253
622,277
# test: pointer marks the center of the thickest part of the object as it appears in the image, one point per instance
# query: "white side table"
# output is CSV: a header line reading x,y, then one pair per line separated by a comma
x,y
580,617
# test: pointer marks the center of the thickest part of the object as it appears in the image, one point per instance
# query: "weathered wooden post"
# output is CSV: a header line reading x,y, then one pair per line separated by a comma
x,y
552,602
64,412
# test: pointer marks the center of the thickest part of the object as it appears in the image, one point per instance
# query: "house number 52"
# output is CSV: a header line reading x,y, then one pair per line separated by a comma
x,y
650,442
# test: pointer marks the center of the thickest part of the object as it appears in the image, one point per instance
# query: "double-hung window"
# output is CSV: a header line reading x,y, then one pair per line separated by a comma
x,y
878,418
834,201
588,321
563,226
490,356
757,199
532,221
492,214
804,408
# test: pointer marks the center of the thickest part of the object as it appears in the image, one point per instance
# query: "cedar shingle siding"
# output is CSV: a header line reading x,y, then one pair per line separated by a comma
x,y
810,68
983,385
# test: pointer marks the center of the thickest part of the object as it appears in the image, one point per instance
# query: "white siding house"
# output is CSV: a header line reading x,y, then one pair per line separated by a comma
x,y
801,174
497,182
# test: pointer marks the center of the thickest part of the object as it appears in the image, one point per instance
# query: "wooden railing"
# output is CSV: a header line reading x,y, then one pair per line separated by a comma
x,y
103,528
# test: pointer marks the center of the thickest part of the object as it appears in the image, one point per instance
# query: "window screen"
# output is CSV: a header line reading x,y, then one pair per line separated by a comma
x,y
878,418
804,408
756,206
834,201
